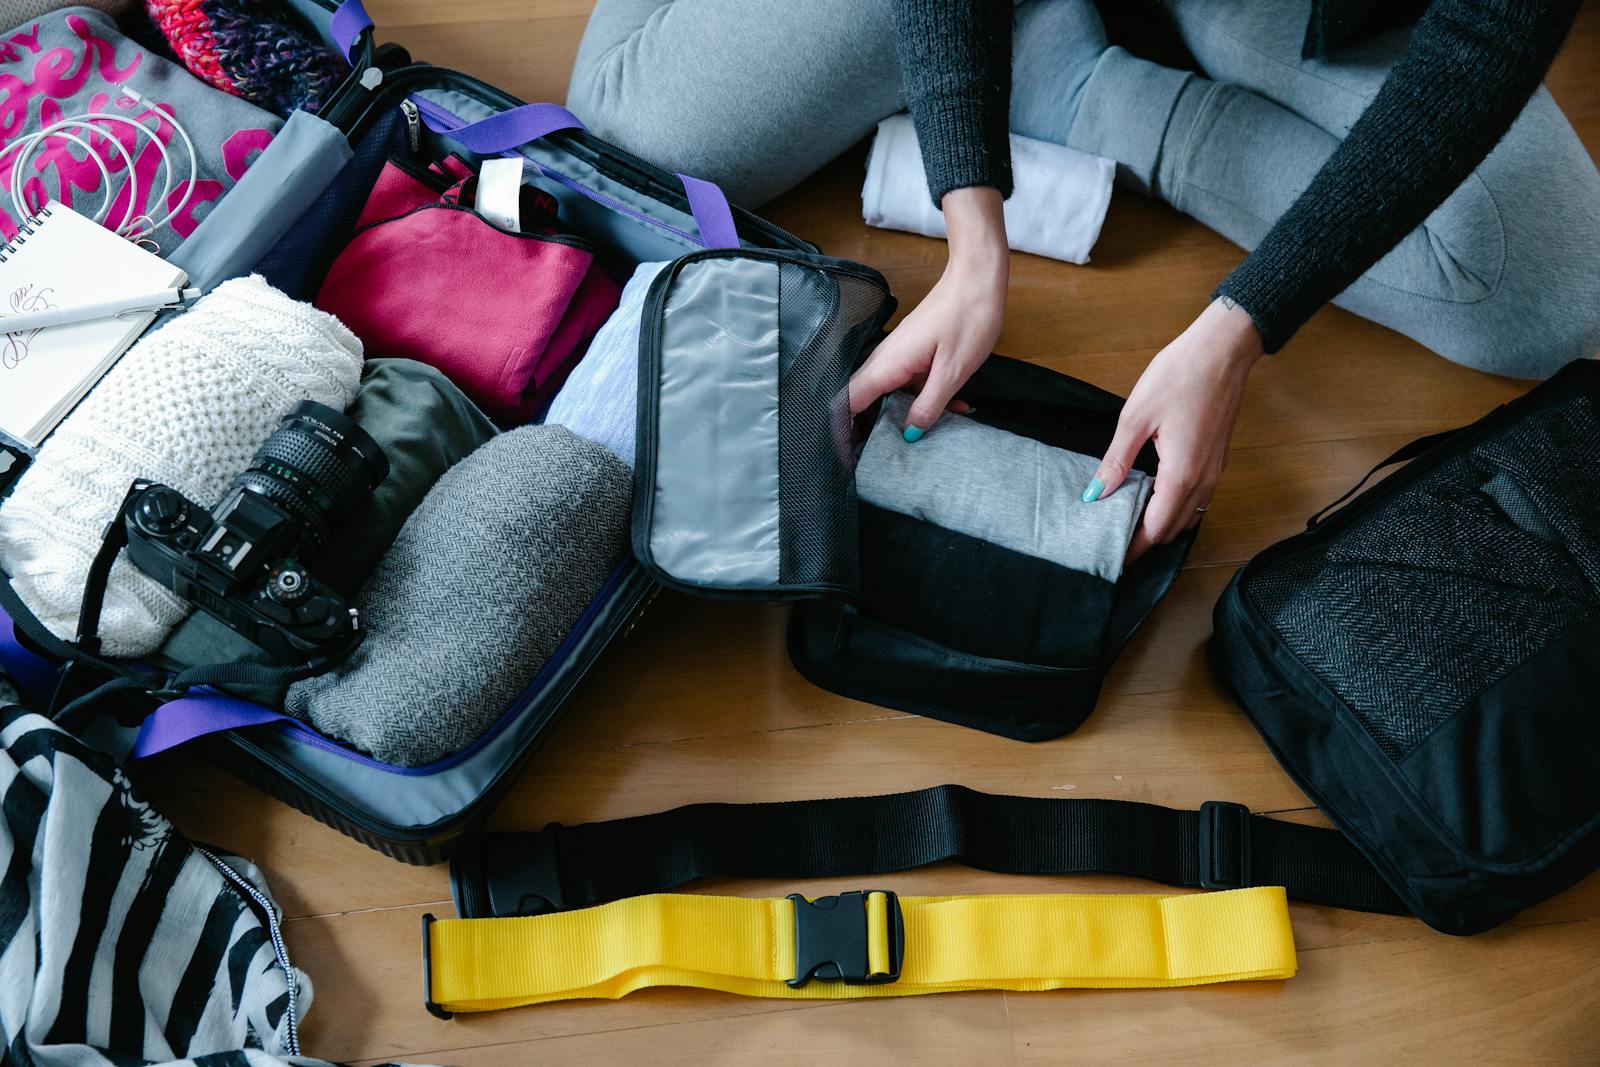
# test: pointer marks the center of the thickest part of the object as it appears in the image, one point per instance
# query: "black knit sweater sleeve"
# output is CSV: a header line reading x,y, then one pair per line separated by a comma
x,y
1469,69
955,60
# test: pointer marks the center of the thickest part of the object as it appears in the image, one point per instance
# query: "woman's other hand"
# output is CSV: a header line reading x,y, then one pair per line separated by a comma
x,y
944,339
1186,401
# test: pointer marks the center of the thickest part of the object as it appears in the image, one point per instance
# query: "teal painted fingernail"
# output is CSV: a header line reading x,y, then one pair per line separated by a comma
x,y
1092,491
913,433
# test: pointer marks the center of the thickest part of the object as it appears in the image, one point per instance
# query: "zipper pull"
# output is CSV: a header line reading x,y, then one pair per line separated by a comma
x,y
413,116
843,624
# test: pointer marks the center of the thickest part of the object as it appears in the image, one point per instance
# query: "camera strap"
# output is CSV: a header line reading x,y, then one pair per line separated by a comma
x,y
84,652
78,667
112,542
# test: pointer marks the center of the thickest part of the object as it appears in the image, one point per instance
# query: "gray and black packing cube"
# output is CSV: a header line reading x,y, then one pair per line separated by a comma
x,y
745,490
959,628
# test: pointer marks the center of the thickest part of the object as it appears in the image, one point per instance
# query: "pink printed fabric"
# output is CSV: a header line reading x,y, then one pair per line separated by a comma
x,y
72,62
503,315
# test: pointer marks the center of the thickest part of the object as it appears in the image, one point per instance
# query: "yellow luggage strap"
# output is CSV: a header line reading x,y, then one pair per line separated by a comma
x,y
861,944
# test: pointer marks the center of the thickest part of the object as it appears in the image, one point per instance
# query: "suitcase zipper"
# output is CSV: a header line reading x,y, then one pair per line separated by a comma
x,y
413,116
638,614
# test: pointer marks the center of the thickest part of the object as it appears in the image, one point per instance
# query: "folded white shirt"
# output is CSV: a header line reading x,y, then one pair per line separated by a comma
x,y
1058,201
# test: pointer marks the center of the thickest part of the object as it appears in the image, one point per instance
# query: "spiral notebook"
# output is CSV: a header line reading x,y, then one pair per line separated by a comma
x,y
59,258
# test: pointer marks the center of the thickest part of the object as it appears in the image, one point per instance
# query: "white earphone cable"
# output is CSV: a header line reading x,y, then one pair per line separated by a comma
x,y
26,147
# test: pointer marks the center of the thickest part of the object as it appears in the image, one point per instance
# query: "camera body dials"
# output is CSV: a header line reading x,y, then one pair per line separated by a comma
x,y
243,561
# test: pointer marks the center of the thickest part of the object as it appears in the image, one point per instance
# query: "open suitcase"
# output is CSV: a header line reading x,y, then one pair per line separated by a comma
x,y
786,532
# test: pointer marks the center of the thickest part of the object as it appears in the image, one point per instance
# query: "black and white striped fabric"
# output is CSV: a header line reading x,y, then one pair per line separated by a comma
x,y
121,942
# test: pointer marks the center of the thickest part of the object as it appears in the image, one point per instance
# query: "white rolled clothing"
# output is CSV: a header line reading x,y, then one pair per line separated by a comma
x,y
1057,204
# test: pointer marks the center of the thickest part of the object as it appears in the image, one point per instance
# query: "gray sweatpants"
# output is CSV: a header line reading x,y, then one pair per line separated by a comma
x,y
757,94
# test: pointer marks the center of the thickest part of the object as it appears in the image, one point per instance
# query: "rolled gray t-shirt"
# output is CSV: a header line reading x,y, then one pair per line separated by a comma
x,y
1002,488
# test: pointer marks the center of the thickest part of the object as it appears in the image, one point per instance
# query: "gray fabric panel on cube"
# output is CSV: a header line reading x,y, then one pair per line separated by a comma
x,y
714,516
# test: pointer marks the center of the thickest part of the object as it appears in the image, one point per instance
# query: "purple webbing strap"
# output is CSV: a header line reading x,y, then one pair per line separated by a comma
x,y
711,213
506,130
350,20
180,721
512,129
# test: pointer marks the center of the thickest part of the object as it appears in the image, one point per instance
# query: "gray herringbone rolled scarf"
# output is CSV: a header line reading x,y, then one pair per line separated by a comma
x,y
485,580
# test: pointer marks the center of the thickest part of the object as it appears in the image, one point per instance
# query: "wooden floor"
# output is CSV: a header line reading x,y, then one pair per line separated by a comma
x,y
701,704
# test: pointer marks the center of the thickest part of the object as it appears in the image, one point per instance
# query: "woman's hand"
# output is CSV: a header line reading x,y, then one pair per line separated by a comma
x,y
945,338
1186,401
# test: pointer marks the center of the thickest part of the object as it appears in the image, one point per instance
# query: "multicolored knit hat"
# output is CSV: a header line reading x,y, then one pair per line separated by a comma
x,y
248,48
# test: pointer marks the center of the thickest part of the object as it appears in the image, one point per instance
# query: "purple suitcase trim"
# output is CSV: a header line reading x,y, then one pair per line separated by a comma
x,y
209,711
349,22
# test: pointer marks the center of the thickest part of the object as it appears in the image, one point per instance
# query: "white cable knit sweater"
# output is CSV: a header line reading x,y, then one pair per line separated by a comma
x,y
187,406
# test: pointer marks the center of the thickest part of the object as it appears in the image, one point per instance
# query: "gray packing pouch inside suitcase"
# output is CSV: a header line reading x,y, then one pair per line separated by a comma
x,y
744,486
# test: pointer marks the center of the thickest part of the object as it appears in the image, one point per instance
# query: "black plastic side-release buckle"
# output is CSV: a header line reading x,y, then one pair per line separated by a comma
x,y
1225,858
506,874
830,939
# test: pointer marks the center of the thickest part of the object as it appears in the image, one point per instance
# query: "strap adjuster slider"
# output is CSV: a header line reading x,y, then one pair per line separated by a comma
x,y
1225,854
831,939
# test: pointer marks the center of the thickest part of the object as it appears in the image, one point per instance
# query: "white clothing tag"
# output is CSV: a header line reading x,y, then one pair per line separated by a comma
x,y
499,196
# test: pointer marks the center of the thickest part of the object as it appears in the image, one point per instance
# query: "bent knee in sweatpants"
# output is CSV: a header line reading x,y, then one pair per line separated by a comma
x,y
1543,308
1504,276
1536,320
802,83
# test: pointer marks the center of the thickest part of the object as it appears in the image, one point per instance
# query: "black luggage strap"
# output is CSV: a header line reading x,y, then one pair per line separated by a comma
x,y
1403,454
1221,846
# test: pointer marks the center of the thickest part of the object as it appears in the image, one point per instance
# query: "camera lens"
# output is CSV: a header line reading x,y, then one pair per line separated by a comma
x,y
318,465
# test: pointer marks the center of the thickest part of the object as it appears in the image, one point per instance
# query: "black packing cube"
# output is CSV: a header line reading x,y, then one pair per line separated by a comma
x,y
1425,663
956,628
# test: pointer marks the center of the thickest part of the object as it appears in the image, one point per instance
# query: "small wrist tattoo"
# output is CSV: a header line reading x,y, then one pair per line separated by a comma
x,y
1228,303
